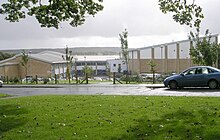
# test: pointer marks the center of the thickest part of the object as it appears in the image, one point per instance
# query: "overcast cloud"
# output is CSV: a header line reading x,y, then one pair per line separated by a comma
x,y
146,25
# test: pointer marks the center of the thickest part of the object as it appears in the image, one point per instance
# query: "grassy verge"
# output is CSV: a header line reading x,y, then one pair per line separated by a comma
x,y
4,95
109,117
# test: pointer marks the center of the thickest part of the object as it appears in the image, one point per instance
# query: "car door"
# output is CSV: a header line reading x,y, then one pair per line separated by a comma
x,y
199,77
188,78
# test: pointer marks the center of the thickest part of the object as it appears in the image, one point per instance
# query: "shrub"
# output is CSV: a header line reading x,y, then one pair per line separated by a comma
x,y
46,80
16,80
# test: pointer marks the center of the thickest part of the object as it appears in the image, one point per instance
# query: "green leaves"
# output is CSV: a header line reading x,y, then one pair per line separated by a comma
x,y
123,37
5,55
183,12
24,58
51,13
204,52
69,60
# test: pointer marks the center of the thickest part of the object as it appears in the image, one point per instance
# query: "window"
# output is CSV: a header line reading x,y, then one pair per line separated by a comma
x,y
211,71
202,71
205,71
190,72
199,71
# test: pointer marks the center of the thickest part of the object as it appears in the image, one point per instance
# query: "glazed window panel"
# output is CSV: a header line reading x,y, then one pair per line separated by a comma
x,y
130,55
159,52
184,50
172,51
145,53
135,56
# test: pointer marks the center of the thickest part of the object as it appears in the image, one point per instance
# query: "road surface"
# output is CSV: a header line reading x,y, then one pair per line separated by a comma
x,y
106,89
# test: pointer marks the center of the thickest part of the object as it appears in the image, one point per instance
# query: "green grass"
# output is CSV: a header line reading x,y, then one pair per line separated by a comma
x,y
109,117
4,95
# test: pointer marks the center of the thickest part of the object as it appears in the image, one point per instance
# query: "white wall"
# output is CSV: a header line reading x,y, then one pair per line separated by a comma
x,y
145,53
114,65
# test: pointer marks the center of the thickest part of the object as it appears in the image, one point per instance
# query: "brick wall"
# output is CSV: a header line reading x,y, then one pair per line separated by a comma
x,y
162,65
34,67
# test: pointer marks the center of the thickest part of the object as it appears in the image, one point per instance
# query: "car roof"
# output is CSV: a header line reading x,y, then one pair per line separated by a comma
x,y
204,67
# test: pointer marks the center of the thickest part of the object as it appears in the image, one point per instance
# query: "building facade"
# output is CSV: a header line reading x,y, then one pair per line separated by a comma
x,y
171,57
48,63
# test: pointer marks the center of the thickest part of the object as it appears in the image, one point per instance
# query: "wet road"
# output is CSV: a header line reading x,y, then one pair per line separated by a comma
x,y
107,89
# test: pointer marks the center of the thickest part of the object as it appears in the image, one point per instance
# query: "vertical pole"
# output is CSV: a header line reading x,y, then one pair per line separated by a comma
x,y
55,78
217,61
162,60
87,81
139,61
178,58
30,71
113,77
76,72
36,79
190,58
166,58
152,54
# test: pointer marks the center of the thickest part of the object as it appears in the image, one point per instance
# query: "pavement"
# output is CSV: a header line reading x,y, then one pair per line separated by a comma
x,y
105,89
87,85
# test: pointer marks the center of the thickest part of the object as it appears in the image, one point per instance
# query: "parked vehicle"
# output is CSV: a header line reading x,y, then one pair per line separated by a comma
x,y
198,76
148,76
28,78
1,83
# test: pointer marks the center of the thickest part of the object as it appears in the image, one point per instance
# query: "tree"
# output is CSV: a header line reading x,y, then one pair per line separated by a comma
x,y
69,60
124,48
204,52
152,65
87,71
50,13
4,56
185,12
24,62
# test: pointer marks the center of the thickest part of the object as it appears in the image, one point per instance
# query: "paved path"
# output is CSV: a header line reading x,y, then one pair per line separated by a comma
x,y
106,89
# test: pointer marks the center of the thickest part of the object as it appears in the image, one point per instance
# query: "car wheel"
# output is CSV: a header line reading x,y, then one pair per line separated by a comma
x,y
213,84
173,85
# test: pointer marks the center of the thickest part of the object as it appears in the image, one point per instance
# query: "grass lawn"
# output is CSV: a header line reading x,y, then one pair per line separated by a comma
x,y
4,95
109,118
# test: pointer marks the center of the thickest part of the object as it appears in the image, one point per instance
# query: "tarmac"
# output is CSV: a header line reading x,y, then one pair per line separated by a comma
x,y
105,89
87,85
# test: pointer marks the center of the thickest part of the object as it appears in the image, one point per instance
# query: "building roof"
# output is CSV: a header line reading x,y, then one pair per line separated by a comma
x,y
95,57
56,57
48,56
8,64
170,43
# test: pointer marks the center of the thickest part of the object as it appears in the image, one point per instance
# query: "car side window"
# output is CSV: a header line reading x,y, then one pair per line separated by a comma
x,y
190,72
205,71
199,71
211,71
202,71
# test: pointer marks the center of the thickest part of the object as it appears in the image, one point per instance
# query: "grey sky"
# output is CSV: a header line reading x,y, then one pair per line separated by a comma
x,y
146,25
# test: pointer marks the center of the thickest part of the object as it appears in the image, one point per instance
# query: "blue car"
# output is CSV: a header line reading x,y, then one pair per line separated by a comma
x,y
198,76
